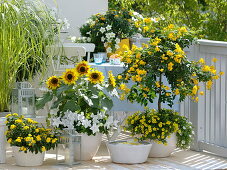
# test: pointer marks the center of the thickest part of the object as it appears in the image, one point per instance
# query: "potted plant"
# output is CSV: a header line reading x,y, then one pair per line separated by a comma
x,y
107,30
26,29
78,95
167,128
29,141
161,69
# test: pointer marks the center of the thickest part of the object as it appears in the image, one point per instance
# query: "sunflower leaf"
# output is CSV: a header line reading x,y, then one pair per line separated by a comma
x,y
40,103
106,102
72,106
62,89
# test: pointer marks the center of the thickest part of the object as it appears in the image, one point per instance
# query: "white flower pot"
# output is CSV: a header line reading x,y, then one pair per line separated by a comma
x,y
128,153
89,146
160,150
28,159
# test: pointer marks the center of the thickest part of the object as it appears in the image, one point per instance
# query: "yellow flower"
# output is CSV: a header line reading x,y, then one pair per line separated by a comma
x,y
18,140
8,115
168,122
171,36
177,91
209,84
26,127
70,76
132,121
170,26
9,140
82,68
183,29
214,60
12,127
170,66
43,148
119,77
196,99
202,61
169,53
142,62
22,148
194,89
18,121
145,28
54,140
206,68
53,82
157,49
48,140
168,94
157,84
221,73
215,77
95,76
160,124
147,20
112,80
38,138
123,86
15,114
141,72
144,95
201,93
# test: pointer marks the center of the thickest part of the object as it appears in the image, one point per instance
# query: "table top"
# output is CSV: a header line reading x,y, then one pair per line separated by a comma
x,y
107,64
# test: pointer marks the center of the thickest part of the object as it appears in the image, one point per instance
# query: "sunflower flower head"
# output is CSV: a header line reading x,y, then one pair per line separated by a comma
x,y
70,76
111,79
82,68
53,82
95,76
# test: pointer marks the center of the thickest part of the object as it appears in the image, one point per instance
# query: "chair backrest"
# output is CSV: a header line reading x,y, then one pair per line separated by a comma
x,y
65,56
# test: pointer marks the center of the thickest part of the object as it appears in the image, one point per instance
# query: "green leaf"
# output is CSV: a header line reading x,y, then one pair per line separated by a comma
x,y
62,89
72,106
40,103
106,102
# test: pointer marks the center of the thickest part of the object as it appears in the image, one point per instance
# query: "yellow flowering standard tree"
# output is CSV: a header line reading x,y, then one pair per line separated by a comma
x,y
162,70
28,136
78,95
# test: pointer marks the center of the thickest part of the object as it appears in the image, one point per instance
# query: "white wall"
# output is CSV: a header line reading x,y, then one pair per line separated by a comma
x,y
77,11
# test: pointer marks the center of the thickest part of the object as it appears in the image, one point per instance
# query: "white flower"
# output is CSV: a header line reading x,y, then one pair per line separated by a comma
x,y
117,46
88,33
135,13
105,44
184,127
66,23
73,39
86,123
183,142
95,128
112,35
56,121
109,122
109,27
88,39
118,40
109,50
102,39
102,30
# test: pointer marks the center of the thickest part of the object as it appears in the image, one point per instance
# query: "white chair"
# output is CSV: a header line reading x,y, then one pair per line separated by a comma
x,y
65,56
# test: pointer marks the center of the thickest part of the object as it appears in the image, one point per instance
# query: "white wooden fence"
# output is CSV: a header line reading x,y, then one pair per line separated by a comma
x,y
209,115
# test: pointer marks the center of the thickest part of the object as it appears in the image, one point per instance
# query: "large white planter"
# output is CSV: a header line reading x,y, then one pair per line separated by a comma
x,y
128,153
2,140
28,159
89,146
160,150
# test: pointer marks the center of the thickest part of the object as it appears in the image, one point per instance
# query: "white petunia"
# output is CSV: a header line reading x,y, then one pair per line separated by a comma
x,y
56,121
73,39
105,44
117,46
86,123
88,33
109,27
118,40
102,30
102,39
95,128
109,50
88,39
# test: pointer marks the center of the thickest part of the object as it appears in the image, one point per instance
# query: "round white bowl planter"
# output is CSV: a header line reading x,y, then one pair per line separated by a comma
x,y
89,146
129,153
161,150
28,159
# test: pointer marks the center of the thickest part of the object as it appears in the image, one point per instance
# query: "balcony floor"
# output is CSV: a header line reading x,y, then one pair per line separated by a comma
x,y
178,160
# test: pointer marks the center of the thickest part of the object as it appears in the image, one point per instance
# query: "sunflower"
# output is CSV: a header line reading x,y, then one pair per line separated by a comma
x,y
53,82
95,77
112,80
70,76
82,68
